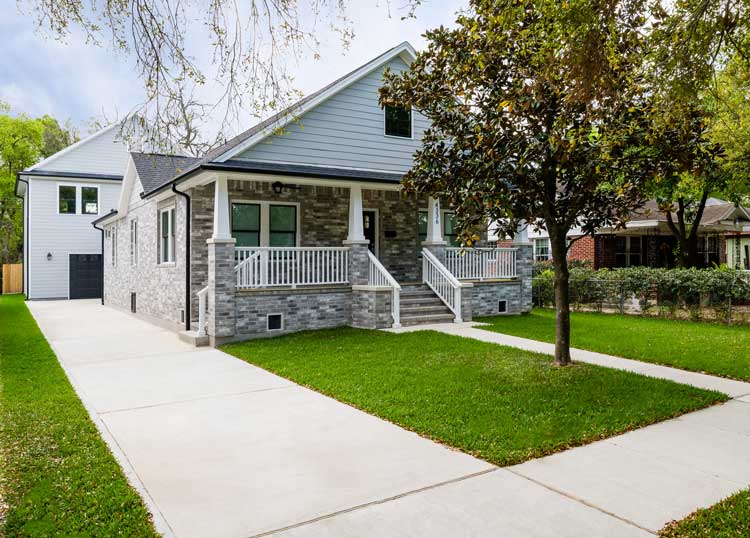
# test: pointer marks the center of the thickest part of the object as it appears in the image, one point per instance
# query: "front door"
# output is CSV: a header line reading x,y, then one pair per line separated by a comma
x,y
370,224
85,276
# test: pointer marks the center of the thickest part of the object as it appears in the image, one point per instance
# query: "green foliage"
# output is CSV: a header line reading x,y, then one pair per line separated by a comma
x,y
666,289
701,347
57,476
501,404
728,519
23,142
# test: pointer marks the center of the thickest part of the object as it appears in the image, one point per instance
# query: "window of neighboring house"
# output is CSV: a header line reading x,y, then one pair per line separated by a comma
x,y
628,251
90,200
113,242
134,242
541,249
66,199
708,249
246,224
398,121
282,228
166,235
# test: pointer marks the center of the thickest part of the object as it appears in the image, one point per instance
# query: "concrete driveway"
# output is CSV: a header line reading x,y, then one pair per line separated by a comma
x,y
220,448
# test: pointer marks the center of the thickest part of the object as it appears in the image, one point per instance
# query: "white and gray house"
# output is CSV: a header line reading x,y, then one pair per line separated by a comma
x,y
62,196
301,223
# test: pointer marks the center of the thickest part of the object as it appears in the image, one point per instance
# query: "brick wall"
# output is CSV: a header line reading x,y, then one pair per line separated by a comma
x,y
583,249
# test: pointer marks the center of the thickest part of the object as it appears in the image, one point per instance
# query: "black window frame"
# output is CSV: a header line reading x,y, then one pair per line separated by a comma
x,y
294,231
83,201
235,229
395,126
67,199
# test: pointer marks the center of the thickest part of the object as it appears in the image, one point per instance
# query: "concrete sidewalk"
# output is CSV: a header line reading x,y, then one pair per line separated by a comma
x,y
220,448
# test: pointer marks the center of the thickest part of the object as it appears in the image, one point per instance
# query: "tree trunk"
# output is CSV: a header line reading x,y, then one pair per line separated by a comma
x,y
562,296
687,239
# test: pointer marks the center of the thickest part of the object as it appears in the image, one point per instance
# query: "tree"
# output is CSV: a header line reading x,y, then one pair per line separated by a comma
x,y
539,114
248,44
55,137
20,145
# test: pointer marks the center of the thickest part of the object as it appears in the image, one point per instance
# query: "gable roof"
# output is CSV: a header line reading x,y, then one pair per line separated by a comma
x,y
241,142
715,211
156,169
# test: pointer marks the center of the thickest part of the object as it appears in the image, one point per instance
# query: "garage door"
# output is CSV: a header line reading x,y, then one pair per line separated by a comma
x,y
85,276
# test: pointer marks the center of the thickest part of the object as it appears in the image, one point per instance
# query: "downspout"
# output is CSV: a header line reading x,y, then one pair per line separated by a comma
x,y
102,258
188,216
26,234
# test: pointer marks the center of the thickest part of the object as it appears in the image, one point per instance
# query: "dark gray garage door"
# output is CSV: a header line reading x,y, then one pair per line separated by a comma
x,y
85,276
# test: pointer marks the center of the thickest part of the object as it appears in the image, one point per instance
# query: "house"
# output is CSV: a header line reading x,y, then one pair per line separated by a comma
x,y
647,240
300,223
62,195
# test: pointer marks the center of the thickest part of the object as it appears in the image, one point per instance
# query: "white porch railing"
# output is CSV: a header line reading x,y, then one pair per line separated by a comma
x,y
442,282
379,276
262,267
481,263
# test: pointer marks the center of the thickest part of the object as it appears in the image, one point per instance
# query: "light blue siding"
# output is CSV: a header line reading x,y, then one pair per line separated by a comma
x,y
345,131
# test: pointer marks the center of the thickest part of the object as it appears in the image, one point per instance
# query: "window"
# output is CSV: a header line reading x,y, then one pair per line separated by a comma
x,y
166,235
541,248
708,249
449,229
113,242
66,199
263,224
274,322
246,224
282,231
90,200
134,242
398,121
628,251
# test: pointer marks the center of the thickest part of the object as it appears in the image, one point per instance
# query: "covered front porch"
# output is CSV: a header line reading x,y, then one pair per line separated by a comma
x,y
318,253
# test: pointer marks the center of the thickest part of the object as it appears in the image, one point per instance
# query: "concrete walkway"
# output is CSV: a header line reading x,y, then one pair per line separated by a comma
x,y
220,448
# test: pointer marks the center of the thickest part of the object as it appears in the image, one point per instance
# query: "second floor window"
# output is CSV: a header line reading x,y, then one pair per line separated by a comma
x,y
66,198
89,200
398,121
541,249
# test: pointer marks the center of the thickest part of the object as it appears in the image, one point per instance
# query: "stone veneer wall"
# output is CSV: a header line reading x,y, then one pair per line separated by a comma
x,y
302,309
371,308
160,289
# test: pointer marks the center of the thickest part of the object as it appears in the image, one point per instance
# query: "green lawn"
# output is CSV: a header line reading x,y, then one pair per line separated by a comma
x,y
728,519
57,477
498,403
701,347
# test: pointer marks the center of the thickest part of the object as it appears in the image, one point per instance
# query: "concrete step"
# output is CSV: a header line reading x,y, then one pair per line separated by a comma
x,y
427,292
408,321
191,337
421,299
414,310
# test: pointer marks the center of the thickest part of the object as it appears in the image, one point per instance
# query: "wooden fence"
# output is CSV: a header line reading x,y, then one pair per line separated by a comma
x,y
13,278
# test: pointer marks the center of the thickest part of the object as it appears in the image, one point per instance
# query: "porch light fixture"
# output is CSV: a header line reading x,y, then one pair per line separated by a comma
x,y
278,187
49,256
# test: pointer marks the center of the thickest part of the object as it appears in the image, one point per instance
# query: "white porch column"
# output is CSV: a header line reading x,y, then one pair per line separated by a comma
x,y
522,233
356,228
221,210
434,223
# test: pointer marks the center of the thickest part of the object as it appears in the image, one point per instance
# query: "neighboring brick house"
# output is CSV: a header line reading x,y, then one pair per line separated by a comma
x,y
647,239
300,223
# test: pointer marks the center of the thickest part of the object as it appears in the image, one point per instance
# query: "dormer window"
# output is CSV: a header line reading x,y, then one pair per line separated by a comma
x,y
397,121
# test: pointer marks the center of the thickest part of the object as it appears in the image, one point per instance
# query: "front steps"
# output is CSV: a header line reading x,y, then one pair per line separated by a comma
x,y
420,305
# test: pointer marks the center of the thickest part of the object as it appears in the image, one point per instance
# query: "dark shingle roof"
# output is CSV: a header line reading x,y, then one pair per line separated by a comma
x,y
156,169
715,211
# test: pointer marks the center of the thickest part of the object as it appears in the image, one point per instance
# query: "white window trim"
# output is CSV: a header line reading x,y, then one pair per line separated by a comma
x,y
411,119
265,218
134,242
79,198
549,248
171,237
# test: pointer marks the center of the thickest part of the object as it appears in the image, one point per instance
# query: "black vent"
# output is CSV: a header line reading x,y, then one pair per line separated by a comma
x,y
132,302
274,322
502,306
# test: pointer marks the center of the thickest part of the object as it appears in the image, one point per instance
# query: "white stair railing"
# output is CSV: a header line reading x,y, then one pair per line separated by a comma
x,y
263,267
442,282
378,275
481,263
202,295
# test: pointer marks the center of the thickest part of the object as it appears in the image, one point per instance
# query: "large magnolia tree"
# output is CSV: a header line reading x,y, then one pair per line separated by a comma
x,y
538,114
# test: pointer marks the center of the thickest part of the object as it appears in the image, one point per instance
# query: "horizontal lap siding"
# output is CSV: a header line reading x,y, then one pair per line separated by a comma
x,y
60,235
103,154
344,131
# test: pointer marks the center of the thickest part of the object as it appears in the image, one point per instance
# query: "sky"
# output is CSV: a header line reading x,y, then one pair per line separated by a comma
x,y
77,81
